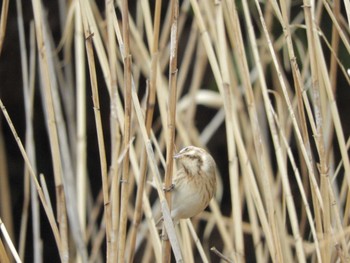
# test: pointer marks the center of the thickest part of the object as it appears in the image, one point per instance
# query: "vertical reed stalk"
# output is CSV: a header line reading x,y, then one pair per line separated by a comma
x,y
53,136
127,118
98,121
171,118
149,116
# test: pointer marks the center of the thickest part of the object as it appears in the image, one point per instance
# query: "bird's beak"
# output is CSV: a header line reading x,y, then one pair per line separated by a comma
x,y
177,156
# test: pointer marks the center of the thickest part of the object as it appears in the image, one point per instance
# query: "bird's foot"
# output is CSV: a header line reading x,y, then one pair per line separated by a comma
x,y
168,189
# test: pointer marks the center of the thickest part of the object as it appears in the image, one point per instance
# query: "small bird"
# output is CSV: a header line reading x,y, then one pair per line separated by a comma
x,y
194,184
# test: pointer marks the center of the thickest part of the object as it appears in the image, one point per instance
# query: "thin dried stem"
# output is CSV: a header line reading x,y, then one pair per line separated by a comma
x,y
171,118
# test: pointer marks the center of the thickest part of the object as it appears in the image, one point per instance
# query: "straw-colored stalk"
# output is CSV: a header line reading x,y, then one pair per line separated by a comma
x,y
53,136
127,119
28,71
43,200
3,21
95,98
149,117
171,118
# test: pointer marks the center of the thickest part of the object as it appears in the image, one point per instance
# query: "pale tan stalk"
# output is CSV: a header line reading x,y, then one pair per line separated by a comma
x,y
231,147
319,138
25,213
146,205
277,146
27,92
342,35
263,175
3,21
300,185
115,130
157,179
186,61
5,197
172,99
28,88
149,117
3,254
48,212
186,241
81,141
220,255
197,78
95,98
335,46
197,241
9,242
299,90
242,151
339,132
142,179
208,46
347,9
53,136
127,119
258,245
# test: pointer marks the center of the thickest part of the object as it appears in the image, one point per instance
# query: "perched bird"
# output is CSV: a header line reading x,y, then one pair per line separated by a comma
x,y
194,184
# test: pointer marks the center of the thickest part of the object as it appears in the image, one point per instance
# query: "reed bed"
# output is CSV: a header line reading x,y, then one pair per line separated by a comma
x,y
111,90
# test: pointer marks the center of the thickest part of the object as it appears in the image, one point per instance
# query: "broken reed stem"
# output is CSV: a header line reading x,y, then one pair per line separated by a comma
x,y
171,118
220,255
127,120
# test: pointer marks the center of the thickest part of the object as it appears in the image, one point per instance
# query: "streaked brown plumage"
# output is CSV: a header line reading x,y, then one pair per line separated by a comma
x,y
194,183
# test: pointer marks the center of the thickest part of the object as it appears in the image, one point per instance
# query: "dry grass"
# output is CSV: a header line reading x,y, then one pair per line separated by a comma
x,y
268,72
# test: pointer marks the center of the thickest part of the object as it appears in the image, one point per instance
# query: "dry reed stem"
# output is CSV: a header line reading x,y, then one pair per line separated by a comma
x,y
264,178
172,99
127,119
322,166
43,200
3,255
81,140
95,97
114,128
5,194
42,40
220,255
156,175
277,146
9,242
149,117
232,152
29,146
3,21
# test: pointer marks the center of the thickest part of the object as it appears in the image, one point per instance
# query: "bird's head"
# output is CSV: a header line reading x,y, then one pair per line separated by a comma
x,y
194,160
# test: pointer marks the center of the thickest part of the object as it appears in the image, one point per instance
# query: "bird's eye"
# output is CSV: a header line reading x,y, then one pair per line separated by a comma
x,y
184,150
